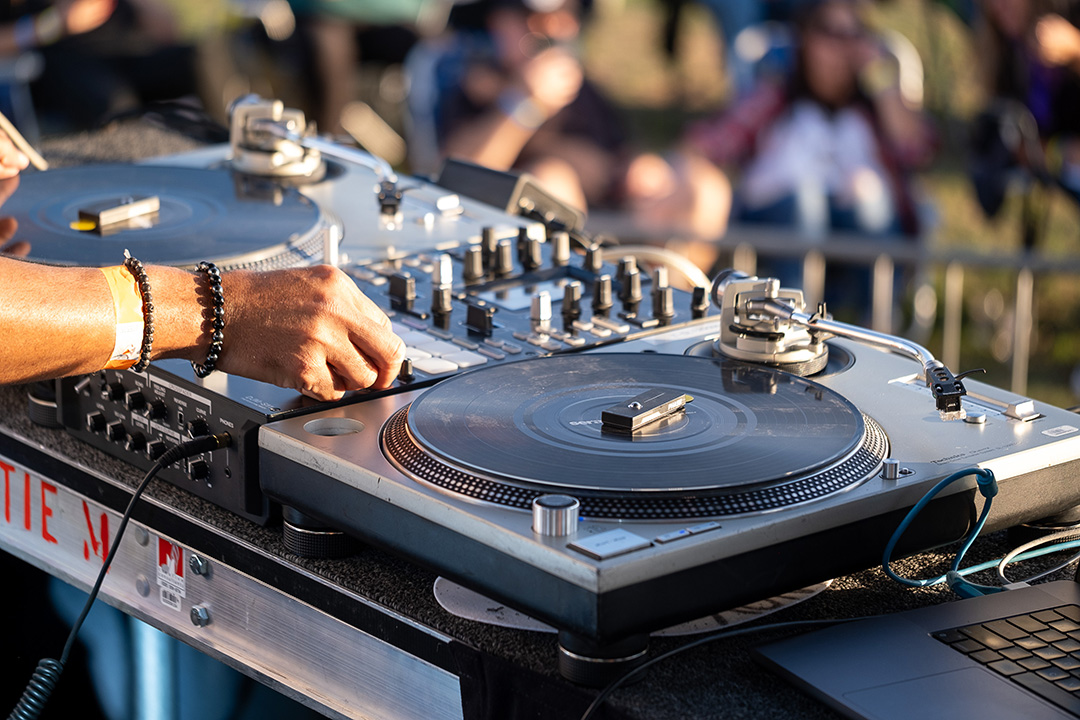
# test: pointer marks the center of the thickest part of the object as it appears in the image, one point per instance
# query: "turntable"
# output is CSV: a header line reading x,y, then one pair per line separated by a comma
x,y
620,491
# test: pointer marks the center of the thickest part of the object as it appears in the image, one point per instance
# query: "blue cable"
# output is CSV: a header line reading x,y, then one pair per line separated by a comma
x,y
987,485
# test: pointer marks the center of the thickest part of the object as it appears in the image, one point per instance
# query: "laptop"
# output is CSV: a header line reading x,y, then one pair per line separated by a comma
x,y
1009,655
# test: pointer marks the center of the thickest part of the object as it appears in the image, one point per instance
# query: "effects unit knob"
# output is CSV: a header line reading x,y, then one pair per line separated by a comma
x,y
601,301
529,253
594,258
571,301
115,431
443,271
136,442
504,257
155,449
630,290
541,309
663,304
555,515
441,300
488,242
626,266
113,391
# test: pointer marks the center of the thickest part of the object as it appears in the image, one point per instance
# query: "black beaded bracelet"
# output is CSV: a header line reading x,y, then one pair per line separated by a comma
x,y
139,273
213,277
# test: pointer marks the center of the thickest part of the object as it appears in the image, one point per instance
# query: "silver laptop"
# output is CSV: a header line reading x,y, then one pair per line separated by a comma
x,y
1009,655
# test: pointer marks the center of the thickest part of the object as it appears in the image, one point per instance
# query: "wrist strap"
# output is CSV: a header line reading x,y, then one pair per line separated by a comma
x,y
128,303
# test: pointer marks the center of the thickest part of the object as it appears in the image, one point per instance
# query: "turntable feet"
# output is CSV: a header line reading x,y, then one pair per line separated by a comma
x,y
586,662
307,537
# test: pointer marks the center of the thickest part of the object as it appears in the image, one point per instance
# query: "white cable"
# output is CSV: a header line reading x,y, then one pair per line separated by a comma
x,y
20,142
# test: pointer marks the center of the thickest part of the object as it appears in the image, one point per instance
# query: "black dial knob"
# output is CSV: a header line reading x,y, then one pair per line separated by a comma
x,y
115,431
405,373
601,302
560,248
630,290
663,304
488,242
156,448
135,401
198,470
113,391
441,300
157,410
529,252
136,442
198,428
474,264
594,258
95,422
504,258
571,300
699,302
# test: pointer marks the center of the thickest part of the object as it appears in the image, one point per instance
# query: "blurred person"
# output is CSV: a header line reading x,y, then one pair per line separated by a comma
x,y
1031,74
107,57
829,147
521,101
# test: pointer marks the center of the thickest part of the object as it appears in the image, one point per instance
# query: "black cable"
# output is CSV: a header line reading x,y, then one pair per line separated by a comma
x,y
723,635
47,674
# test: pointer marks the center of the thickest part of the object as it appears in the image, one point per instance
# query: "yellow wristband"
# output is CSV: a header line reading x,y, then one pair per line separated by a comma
x,y
129,317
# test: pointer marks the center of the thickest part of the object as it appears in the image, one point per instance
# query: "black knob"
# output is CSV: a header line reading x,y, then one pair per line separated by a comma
x,y
504,257
402,287
601,301
157,410
156,448
95,422
626,266
699,302
480,318
135,401
630,290
406,374
113,391
115,431
198,470
474,264
136,442
488,242
198,427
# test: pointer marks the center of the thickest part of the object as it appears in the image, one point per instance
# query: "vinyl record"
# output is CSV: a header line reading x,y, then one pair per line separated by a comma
x,y
215,215
526,428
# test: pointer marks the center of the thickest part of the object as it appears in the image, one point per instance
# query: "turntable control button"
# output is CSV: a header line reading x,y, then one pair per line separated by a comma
x,y
673,535
434,366
612,325
504,257
551,345
703,527
438,348
466,359
414,338
493,354
609,544
467,344
416,353
511,348
157,410
441,334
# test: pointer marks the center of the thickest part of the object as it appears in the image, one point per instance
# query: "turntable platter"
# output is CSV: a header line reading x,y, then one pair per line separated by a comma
x,y
203,214
749,436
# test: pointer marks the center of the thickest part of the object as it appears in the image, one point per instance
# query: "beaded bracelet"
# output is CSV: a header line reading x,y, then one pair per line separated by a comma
x,y
139,273
213,277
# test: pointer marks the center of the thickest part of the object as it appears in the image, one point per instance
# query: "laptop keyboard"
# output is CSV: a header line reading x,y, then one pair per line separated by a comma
x,y
1040,651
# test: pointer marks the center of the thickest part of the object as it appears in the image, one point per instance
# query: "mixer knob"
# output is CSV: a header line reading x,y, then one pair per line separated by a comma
x,y
504,257
198,470
560,248
529,254
601,302
660,278
474,264
113,391
136,442
541,309
626,266
157,410
135,401
480,319
402,287
115,431
441,300
630,290
594,258
443,272
156,448
406,374
555,515
663,304
198,427
95,422
571,302
699,302
489,241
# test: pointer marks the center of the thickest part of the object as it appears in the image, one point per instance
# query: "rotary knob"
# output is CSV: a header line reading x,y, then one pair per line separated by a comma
x,y
198,470
474,264
157,410
560,248
504,257
555,515
135,401
601,302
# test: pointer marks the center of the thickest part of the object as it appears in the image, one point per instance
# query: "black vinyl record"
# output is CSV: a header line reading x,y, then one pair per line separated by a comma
x,y
538,423
215,215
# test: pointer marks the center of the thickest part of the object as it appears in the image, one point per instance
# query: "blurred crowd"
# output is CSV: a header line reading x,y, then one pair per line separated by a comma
x,y
821,131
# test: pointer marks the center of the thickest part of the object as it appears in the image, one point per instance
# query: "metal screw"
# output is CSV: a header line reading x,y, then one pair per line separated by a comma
x,y
142,585
199,565
141,536
200,616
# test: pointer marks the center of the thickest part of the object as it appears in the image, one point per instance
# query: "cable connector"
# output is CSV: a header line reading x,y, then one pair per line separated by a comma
x,y
197,446
986,482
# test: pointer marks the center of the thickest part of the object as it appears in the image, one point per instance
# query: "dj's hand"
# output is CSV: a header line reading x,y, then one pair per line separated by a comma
x,y
309,329
553,79
12,162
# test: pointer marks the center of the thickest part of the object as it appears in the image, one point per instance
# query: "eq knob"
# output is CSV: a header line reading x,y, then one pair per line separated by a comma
x,y
540,313
594,258
474,264
113,391
699,302
489,240
157,410
95,422
115,431
504,258
601,302
156,448
560,248
529,252
571,302
630,290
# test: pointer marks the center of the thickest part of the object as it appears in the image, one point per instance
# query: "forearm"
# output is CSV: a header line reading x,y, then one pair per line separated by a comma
x,y
494,140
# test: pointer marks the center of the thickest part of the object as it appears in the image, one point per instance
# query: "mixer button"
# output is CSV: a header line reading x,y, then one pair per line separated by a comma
x,y
434,365
438,348
493,354
466,359
416,353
